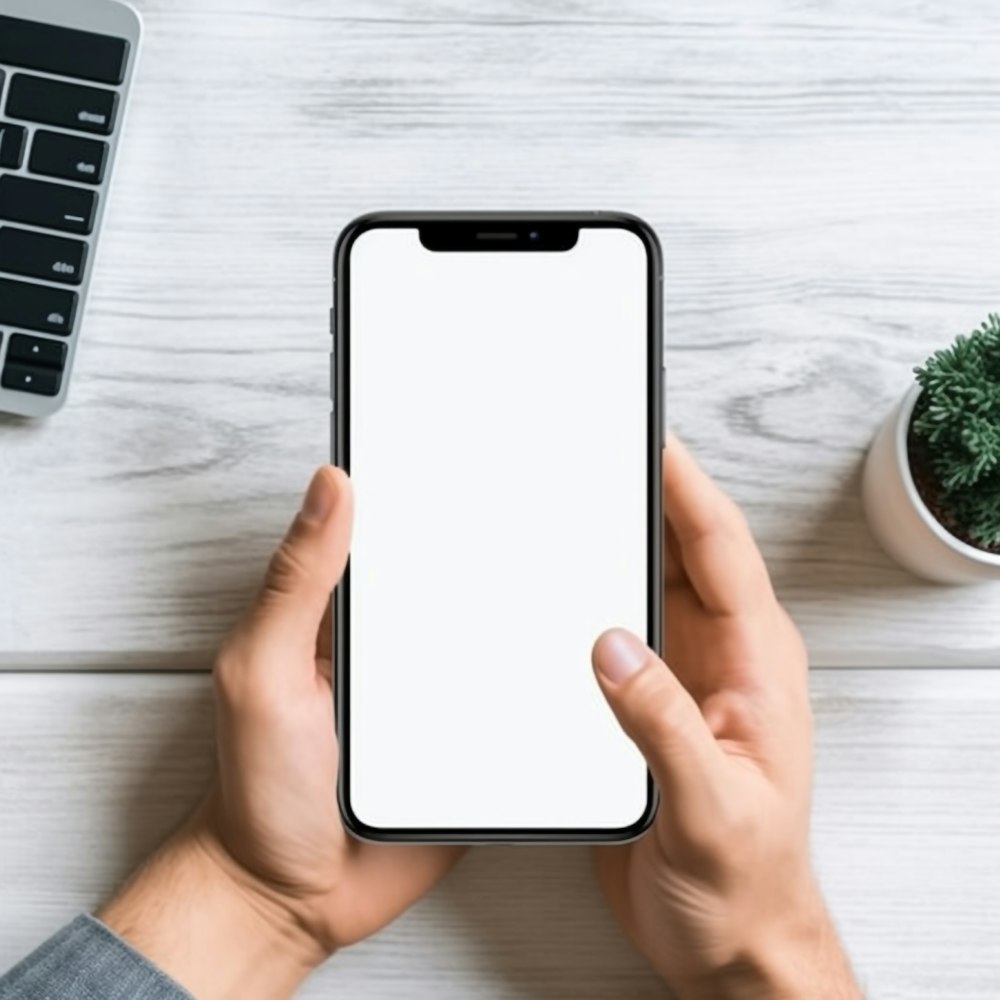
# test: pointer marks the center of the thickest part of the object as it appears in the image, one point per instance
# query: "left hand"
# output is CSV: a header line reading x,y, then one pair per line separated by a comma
x,y
269,836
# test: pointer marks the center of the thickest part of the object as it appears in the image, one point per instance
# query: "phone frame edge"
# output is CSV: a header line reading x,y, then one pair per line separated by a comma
x,y
340,448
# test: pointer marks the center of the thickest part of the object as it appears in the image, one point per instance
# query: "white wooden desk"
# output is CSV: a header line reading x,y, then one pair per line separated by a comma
x,y
823,176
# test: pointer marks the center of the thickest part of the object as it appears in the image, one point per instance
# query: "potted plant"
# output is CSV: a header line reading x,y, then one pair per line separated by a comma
x,y
931,483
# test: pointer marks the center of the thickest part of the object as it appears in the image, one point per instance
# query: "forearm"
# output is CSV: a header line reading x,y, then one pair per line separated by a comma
x,y
802,959
188,911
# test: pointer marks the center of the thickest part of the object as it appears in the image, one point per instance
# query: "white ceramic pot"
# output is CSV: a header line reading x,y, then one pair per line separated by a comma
x,y
901,522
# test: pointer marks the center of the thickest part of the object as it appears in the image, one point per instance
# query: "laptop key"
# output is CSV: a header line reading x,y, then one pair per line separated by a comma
x,y
37,307
27,378
51,102
37,351
49,206
51,48
67,156
13,140
37,255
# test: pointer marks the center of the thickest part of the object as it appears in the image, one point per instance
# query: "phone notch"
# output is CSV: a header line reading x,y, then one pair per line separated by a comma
x,y
522,237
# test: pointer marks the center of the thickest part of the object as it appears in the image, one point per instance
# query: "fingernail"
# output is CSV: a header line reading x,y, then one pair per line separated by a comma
x,y
619,655
320,498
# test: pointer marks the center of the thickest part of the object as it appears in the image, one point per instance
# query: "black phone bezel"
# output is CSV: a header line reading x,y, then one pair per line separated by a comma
x,y
459,225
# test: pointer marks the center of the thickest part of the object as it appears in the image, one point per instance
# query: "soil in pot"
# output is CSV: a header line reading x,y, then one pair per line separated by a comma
x,y
930,492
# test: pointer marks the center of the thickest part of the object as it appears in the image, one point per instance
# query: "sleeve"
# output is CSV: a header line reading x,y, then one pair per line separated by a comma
x,y
87,961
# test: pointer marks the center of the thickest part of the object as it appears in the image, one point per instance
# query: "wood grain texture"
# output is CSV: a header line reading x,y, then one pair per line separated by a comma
x,y
96,768
822,175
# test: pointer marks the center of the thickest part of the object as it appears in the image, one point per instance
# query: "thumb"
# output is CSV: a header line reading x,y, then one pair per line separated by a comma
x,y
306,566
661,718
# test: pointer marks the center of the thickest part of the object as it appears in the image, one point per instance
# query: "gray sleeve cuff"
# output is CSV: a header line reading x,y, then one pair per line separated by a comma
x,y
86,961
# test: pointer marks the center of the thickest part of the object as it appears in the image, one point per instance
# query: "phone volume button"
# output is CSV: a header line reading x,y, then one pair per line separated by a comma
x,y
333,322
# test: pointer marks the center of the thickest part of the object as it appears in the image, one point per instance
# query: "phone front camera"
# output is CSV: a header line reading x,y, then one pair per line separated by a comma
x,y
534,236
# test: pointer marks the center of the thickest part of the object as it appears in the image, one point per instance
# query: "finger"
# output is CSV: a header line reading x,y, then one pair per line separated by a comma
x,y
718,551
661,718
324,638
304,570
673,562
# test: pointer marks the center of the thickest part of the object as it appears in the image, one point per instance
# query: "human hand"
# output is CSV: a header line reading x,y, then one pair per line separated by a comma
x,y
720,894
264,883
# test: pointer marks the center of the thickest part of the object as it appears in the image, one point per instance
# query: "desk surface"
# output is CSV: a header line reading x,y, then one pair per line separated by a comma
x,y
823,177
99,768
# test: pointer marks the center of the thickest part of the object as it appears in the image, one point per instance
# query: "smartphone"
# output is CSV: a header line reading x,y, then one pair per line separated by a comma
x,y
498,384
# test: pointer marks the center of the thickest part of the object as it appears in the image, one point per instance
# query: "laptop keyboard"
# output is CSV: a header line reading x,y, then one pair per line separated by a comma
x,y
60,106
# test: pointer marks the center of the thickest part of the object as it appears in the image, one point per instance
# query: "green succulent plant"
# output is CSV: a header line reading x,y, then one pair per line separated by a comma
x,y
957,422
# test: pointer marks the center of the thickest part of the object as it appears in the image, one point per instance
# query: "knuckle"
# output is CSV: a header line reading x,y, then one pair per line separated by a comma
x,y
673,715
237,677
735,517
710,523
227,670
660,708
286,569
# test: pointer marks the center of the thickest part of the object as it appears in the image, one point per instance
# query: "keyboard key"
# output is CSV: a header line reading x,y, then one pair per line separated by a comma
x,y
36,351
13,140
50,206
67,156
85,109
36,255
35,307
27,378
63,51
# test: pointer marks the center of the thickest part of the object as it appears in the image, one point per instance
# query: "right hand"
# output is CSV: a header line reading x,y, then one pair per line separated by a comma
x,y
720,894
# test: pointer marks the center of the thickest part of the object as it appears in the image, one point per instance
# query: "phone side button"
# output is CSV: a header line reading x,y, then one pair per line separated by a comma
x,y
333,322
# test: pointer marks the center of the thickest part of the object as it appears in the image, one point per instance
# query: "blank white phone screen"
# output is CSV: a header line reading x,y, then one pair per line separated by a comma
x,y
499,449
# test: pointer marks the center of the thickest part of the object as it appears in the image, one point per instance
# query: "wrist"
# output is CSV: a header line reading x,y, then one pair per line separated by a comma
x,y
797,956
204,922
